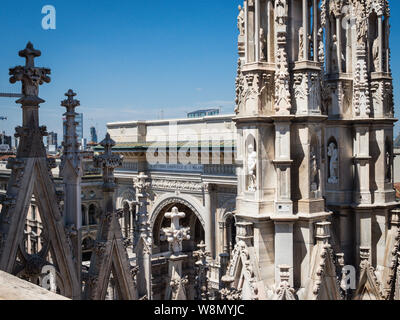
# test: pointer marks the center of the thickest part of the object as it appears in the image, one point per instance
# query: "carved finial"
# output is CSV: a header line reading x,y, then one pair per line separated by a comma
x,y
365,253
29,53
70,102
175,234
322,233
141,184
107,144
30,76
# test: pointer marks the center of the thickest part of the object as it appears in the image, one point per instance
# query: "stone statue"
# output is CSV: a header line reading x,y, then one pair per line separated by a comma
x,y
375,54
321,49
314,172
301,44
240,21
334,59
388,166
252,167
333,163
280,12
361,22
263,43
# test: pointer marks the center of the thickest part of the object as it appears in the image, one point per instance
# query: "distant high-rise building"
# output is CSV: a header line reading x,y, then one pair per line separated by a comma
x,y
52,140
5,140
93,135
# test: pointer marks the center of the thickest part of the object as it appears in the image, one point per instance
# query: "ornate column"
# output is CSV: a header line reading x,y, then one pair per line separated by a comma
x,y
339,40
380,36
362,103
306,24
108,162
282,77
175,235
71,170
257,30
209,221
143,243
202,268
86,213
315,29
246,24
224,242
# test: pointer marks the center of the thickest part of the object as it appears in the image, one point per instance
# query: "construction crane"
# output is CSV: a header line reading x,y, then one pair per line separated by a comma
x,y
10,95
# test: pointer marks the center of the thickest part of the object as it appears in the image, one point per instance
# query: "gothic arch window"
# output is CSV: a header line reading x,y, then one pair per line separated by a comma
x,y
373,42
33,213
191,220
333,161
93,215
230,233
87,248
84,218
126,221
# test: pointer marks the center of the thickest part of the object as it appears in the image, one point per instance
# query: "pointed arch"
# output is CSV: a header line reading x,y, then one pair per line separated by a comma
x,y
34,178
109,257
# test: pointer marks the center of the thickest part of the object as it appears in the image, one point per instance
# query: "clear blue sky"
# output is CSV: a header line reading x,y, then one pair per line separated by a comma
x,y
130,59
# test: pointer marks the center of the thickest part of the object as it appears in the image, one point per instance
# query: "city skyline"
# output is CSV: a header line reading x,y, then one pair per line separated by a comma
x,y
117,75
122,89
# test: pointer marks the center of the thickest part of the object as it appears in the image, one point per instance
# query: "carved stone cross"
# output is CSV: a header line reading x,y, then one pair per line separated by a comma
x,y
175,234
30,53
30,76
70,103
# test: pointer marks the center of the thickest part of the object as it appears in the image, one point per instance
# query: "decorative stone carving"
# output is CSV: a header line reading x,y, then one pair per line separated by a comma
x,y
31,173
284,291
202,267
189,186
333,163
252,168
240,21
281,12
110,247
314,171
263,44
375,54
108,162
301,44
175,234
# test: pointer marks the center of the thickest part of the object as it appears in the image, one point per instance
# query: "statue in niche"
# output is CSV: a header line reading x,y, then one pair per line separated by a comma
x,y
301,44
388,164
334,48
333,163
251,167
361,22
240,21
314,172
321,51
263,44
281,12
310,45
375,54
